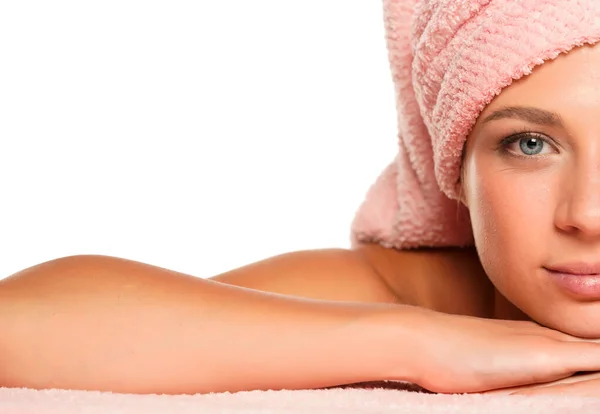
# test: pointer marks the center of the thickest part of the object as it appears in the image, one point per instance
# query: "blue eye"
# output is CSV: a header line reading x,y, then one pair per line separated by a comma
x,y
526,145
531,145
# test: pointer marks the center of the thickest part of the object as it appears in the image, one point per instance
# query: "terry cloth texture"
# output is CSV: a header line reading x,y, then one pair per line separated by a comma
x,y
448,60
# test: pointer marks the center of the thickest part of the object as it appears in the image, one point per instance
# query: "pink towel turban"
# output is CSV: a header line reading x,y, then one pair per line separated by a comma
x,y
448,59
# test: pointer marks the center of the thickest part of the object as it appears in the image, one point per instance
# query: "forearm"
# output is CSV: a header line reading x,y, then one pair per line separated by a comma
x,y
140,334
275,342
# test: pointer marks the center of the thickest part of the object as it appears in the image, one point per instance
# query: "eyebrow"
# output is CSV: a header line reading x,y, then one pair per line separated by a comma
x,y
526,113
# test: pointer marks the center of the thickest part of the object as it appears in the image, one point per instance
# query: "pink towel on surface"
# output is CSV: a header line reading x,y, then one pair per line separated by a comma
x,y
330,401
448,59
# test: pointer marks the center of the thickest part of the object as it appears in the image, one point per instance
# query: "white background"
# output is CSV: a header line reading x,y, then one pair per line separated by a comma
x,y
193,135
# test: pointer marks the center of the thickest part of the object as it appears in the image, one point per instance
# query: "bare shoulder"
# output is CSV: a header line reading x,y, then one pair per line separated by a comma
x,y
449,280
446,280
336,274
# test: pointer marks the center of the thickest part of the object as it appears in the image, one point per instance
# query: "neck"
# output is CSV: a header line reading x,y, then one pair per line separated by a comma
x,y
503,309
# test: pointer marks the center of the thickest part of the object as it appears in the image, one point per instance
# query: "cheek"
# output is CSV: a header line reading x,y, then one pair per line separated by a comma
x,y
512,217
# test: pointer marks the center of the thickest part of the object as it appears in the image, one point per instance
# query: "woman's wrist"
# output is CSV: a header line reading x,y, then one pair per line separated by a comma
x,y
392,338
365,342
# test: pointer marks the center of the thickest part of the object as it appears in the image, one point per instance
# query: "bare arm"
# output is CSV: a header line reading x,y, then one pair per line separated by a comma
x,y
101,323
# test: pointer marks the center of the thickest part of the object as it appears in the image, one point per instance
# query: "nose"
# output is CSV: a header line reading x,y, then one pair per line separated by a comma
x,y
578,210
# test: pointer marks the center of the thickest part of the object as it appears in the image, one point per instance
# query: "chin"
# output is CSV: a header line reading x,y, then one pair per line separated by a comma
x,y
577,319
557,309
580,331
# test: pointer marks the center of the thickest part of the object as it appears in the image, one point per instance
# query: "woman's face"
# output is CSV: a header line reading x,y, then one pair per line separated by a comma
x,y
532,185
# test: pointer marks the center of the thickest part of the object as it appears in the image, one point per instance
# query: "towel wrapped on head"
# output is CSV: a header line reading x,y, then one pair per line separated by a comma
x,y
448,59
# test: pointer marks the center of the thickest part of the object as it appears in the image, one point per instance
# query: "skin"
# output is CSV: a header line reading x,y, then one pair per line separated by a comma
x,y
530,211
527,212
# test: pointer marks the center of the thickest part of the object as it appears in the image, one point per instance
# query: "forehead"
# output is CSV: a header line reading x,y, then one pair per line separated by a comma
x,y
568,83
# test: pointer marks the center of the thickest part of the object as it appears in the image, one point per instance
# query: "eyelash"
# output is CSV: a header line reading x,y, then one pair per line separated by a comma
x,y
519,135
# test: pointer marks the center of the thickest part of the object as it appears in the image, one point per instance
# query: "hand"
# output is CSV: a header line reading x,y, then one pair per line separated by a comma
x,y
462,354
584,385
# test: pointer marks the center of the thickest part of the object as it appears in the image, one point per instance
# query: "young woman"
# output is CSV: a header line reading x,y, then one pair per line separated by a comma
x,y
520,308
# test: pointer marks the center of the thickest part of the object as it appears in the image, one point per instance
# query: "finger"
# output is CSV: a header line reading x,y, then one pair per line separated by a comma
x,y
562,335
503,391
534,327
564,381
578,356
554,334
589,388
570,338
529,327
523,388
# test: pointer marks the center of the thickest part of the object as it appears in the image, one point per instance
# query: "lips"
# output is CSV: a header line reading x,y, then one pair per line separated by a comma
x,y
580,279
576,268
